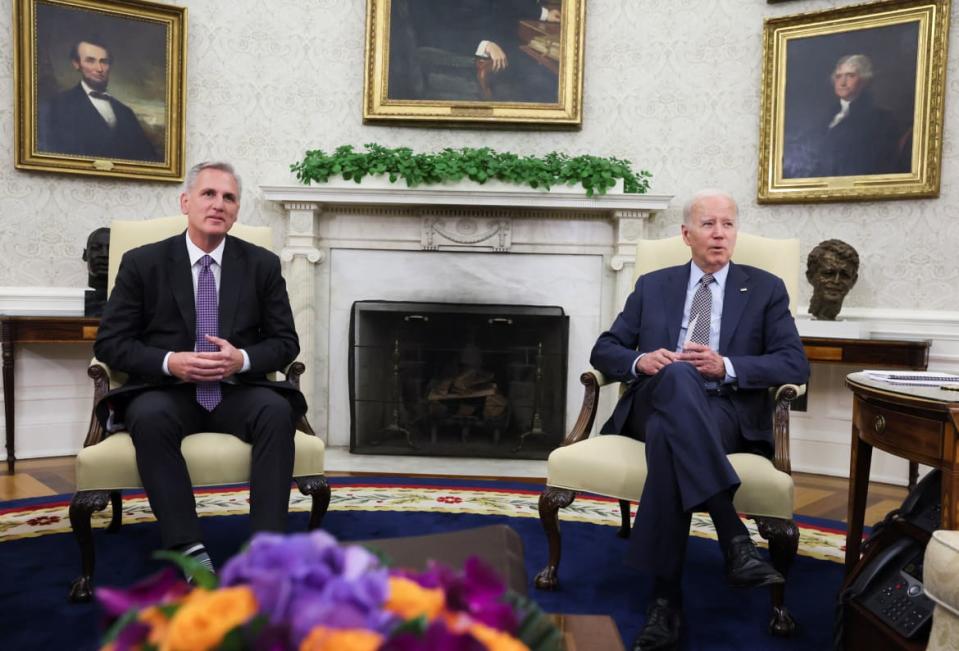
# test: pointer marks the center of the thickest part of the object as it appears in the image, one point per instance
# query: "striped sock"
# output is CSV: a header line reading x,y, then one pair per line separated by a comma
x,y
197,551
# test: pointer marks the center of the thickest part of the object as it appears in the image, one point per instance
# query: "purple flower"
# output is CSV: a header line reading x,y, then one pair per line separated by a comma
x,y
309,579
163,587
436,638
476,591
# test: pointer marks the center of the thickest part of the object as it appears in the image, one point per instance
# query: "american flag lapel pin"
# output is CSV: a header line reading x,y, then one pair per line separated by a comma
x,y
743,289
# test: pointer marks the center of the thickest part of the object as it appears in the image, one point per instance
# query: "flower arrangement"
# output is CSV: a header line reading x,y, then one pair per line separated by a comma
x,y
309,593
596,174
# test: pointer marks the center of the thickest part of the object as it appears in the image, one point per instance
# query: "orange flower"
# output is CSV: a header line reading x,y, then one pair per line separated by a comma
x,y
322,638
409,599
205,617
496,640
158,623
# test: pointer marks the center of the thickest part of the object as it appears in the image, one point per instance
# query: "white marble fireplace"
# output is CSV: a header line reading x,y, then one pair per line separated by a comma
x,y
349,242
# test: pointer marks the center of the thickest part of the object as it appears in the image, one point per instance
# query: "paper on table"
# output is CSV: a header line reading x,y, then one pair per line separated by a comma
x,y
913,378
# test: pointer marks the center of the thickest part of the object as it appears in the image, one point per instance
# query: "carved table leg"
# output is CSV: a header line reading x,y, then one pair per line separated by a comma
x,y
551,501
318,488
8,333
783,537
82,507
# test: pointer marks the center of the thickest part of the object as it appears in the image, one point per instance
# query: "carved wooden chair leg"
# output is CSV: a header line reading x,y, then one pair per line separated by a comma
x,y
318,488
624,514
116,507
551,501
82,507
783,538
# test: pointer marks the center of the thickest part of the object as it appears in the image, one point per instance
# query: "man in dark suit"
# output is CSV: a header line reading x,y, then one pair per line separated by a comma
x,y
859,136
699,345
197,321
86,120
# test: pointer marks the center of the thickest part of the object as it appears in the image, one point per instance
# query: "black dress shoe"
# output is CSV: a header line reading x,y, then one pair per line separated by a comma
x,y
745,568
661,631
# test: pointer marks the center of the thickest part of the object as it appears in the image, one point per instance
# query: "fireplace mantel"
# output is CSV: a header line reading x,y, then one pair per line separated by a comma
x,y
348,221
379,192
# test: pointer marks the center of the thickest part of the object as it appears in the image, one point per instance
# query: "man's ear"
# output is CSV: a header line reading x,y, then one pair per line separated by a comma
x,y
184,202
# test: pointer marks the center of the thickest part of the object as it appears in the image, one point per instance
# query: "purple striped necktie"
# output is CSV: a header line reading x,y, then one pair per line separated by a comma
x,y
207,323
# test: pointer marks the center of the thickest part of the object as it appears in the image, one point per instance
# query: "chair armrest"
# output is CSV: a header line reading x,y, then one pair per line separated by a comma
x,y
100,374
293,373
783,396
592,381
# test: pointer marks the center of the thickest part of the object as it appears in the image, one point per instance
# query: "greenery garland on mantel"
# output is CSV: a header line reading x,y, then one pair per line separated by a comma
x,y
596,174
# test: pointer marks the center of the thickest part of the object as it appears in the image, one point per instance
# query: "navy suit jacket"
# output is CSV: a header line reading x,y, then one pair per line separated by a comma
x,y
757,333
151,312
69,124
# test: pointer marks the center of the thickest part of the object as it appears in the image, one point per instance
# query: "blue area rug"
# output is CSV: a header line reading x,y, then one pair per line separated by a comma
x,y
39,559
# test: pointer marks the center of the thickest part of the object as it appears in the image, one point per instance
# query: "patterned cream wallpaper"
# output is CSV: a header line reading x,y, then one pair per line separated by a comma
x,y
673,86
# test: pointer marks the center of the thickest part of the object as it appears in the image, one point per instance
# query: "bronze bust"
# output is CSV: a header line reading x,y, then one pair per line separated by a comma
x,y
832,269
97,256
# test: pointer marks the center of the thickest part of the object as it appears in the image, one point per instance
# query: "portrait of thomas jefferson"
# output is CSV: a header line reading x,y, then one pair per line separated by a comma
x,y
101,85
849,107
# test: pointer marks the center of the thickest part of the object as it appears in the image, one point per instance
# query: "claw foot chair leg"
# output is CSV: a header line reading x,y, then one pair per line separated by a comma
x,y
551,501
82,507
783,538
319,489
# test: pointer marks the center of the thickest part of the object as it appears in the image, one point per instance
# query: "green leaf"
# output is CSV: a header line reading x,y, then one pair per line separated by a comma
x,y
191,567
121,623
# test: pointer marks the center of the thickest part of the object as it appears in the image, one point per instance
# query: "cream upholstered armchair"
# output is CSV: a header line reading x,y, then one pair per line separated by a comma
x,y
107,464
940,576
615,466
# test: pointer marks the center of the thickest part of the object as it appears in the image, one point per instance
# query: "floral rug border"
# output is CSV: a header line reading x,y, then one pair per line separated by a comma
x,y
42,520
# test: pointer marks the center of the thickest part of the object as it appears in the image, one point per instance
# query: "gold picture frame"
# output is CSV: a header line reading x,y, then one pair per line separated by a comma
x,y
446,62
100,88
852,103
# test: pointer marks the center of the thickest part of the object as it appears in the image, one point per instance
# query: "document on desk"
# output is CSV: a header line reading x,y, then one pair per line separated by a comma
x,y
914,378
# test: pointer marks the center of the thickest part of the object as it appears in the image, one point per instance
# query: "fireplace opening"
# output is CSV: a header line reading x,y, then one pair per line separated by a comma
x,y
457,379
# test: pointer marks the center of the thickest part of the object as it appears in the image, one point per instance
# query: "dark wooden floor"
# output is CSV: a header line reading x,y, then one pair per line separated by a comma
x,y
816,495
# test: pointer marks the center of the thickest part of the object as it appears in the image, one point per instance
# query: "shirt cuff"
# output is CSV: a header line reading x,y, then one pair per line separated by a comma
x,y
730,371
246,362
481,50
543,13
166,363
632,369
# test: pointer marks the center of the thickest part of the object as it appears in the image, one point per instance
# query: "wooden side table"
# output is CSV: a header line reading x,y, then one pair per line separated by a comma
x,y
875,353
35,330
917,423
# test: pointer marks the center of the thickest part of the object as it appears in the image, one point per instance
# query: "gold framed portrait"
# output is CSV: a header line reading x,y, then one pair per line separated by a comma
x,y
453,62
100,87
852,103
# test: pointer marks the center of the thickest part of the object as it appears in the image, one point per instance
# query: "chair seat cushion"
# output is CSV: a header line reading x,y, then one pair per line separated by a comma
x,y
615,466
211,458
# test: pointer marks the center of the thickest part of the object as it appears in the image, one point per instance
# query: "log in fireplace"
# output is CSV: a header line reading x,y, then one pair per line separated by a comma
x,y
457,380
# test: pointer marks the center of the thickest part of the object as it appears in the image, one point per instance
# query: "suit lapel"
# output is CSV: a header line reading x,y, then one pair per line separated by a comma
x,y
674,299
231,278
181,280
734,303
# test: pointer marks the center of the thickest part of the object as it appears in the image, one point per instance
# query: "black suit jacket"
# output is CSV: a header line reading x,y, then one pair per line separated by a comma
x,y
69,124
460,26
866,141
757,334
151,312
